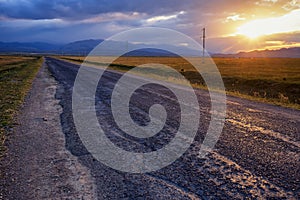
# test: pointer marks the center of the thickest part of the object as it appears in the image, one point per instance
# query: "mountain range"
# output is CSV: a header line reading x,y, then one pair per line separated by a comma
x,y
83,47
293,52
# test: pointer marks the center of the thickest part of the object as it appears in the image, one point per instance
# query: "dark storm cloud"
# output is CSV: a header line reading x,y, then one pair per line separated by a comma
x,y
68,20
42,9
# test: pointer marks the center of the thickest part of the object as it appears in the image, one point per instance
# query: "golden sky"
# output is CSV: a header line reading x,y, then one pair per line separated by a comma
x,y
263,24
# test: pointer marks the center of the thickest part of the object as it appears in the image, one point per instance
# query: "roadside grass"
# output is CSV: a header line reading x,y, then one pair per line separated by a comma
x,y
269,80
10,60
16,76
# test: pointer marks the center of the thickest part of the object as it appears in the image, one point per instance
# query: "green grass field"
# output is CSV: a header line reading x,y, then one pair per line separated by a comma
x,y
16,76
271,80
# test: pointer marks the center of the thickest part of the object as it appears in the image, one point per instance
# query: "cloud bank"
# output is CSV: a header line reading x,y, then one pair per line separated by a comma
x,y
62,21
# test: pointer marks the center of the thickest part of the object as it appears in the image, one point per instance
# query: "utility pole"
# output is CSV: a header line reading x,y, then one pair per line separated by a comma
x,y
127,51
203,44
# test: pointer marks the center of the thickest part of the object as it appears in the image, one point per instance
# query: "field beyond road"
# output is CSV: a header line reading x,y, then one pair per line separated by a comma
x,y
16,75
271,80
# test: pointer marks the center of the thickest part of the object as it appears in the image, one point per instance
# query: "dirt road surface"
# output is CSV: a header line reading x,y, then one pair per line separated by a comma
x,y
256,157
37,165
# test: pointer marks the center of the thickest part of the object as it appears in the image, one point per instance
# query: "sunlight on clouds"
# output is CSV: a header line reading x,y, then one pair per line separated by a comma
x,y
164,17
27,23
284,24
235,18
266,2
184,44
280,46
276,42
161,18
273,1
116,16
292,5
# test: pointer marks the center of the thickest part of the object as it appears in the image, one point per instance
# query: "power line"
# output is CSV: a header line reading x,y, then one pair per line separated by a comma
x,y
203,44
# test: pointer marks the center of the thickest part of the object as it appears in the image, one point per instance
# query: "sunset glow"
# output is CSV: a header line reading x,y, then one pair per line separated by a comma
x,y
283,24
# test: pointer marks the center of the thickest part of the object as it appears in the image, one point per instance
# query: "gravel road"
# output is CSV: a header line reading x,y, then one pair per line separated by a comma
x,y
37,164
256,157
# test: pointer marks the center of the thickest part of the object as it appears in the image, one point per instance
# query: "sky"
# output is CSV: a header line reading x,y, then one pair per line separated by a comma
x,y
231,25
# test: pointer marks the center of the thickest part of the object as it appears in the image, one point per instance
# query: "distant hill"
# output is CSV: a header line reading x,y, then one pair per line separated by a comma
x,y
84,47
151,52
74,48
279,53
28,47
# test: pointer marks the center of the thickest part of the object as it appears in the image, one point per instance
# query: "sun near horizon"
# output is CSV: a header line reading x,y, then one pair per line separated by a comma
x,y
268,26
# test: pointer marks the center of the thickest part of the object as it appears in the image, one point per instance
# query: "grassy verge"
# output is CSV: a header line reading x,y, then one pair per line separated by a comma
x,y
269,80
16,76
